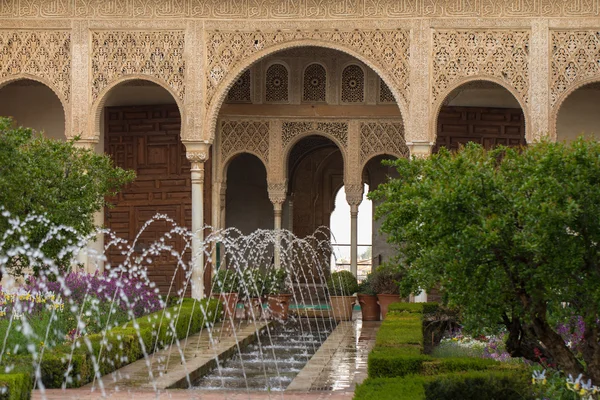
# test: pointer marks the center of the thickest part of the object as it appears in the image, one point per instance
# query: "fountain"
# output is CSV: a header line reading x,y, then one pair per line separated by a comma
x,y
68,330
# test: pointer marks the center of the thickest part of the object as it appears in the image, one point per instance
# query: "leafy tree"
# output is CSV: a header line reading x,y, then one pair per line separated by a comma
x,y
40,176
511,235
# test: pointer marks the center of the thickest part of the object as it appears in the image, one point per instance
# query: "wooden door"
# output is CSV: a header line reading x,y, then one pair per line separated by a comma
x,y
146,139
487,126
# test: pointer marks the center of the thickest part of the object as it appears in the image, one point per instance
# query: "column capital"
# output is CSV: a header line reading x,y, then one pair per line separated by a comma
x,y
86,143
420,149
354,194
196,151
277,193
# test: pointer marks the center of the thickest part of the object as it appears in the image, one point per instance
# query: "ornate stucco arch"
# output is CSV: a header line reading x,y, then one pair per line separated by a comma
x,y
437,105
219,82
97,106
560,100
227,161
63,101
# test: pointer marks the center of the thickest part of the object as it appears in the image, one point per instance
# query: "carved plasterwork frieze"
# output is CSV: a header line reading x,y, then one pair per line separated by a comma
x,y
44,53
335,130
291,9
575,56
501,54
386,50
158,54
382,138
245,136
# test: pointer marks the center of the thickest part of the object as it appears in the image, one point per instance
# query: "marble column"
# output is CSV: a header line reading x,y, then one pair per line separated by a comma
x,y
197,154
354,195
277,195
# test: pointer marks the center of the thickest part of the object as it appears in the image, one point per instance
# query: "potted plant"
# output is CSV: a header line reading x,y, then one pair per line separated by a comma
x,y
250,291
342,285
385,281
225,287
278,293
367,298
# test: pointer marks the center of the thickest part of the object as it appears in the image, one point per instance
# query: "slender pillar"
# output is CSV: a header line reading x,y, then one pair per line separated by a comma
x,y
277,195
354,195
197,153
354,239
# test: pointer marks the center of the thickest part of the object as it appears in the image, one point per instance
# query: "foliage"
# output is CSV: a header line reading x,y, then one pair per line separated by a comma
x,y
251,284
72,364
511,235
551,384
342,283
366,287
276,282
67,184
15,386
386,280
226,281
474,385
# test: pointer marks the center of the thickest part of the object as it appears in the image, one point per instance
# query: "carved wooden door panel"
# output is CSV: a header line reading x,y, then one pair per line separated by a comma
x,y
146,140
484,125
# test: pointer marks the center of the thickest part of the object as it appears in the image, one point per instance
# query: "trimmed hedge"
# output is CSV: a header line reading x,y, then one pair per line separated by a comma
x,y
75,364
15,386
473,385
398,369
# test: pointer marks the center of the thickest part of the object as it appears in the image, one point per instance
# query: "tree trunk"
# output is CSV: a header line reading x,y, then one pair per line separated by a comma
x,y
556,346
591,352
522,342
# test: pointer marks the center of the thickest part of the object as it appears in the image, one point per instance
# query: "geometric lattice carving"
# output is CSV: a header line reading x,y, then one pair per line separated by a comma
x,y
353,84
385,94
387,49
315,83
240,91
155,53
575,57
382,137
290,130
497,53
277,83
43,53
245,136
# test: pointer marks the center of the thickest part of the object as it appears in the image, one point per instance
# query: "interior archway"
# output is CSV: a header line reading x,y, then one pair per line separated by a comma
x,y
33,105
578,114
247,204
480,111
141,130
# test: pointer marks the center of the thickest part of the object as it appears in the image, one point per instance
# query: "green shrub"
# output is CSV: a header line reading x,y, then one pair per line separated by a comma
x,y
226,281
15,386
386,280
488,385
342,283
366,287
407,388
417,308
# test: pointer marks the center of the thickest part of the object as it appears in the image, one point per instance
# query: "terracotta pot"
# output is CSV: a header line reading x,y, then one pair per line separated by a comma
x,y
369,307
385,300
229,301
253,308
279,305
341,307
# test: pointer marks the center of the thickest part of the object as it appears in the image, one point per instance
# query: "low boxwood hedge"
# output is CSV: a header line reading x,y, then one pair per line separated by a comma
x,y
76,364
15,386
398,369
472,385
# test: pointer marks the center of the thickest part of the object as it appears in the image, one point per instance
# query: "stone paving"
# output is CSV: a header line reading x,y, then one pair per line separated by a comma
x,y
341,362
169,371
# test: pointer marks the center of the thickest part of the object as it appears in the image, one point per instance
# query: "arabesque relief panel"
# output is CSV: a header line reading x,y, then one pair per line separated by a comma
x,y
295,9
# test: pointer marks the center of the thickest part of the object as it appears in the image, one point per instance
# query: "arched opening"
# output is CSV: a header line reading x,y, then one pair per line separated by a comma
x,y
374,174
34,105
141,130
578,114
340,234
482,112
247,204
